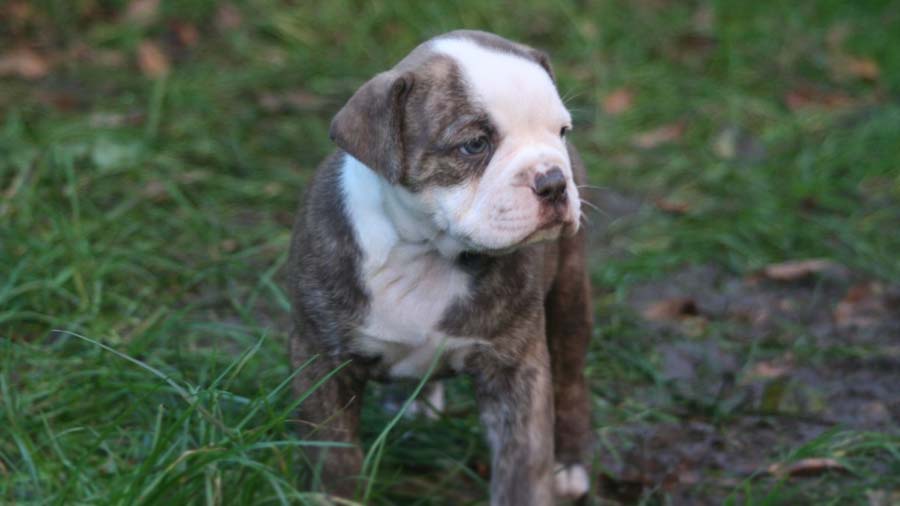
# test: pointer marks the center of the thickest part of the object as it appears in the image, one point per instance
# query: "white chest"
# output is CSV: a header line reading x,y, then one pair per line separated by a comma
x,y
409,295
410,284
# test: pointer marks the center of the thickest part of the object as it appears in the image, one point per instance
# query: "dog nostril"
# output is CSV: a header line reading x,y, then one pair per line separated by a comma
x,y
551,185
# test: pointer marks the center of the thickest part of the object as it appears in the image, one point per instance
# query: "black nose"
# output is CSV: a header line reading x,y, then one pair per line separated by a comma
x,y
550,186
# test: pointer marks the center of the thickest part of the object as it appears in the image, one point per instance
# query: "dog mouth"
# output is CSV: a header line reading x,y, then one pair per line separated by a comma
x,y
547,231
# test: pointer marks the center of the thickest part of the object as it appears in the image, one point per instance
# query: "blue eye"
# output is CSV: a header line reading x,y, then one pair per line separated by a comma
x,y
475,146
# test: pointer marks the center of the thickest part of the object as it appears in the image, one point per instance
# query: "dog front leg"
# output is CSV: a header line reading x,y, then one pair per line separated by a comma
x,y
516,404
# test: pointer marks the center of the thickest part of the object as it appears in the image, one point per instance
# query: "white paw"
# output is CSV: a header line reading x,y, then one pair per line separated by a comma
x,y
571,481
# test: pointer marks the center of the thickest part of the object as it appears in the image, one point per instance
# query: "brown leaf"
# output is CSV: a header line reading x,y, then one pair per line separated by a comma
x,y
186,33
17,11
806,467
864,305
151,60
658,136
618,101
805,97
142,12
798,269
771,369
672,206
863,68
228,17
24,63
676,308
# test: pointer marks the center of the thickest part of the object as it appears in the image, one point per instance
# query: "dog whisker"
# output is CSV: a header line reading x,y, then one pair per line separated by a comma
x,y
593,206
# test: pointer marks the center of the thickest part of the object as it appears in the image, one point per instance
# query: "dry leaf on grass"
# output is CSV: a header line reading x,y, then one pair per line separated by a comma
x,y
186,33
673,309
142,12
864,305
151,60
618,101
659,136
24,63
672,206
806,467
805,97
798,269
771,369
228,17
863,68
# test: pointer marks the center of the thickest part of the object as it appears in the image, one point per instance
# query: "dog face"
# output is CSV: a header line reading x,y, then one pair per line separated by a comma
x,y
470,131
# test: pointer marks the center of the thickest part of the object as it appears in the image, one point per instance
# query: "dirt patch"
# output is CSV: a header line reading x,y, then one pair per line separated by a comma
x,y
752,368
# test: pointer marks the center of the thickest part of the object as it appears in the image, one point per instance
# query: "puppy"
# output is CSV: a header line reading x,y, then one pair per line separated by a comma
x,y
445,230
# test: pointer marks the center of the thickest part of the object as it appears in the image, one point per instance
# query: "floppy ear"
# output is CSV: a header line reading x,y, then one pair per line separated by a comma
x,y
370,126
543,60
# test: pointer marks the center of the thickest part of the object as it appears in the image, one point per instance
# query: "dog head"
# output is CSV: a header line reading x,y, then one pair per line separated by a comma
x,y
469,130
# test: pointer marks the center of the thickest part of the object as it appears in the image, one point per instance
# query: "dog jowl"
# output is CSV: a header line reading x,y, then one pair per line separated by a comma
x,y
448,221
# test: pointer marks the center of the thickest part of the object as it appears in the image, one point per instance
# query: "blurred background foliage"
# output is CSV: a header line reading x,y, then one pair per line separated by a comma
x,y
746,164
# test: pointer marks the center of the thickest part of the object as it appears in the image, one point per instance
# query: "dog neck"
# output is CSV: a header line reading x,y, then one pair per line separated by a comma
x,y
385,216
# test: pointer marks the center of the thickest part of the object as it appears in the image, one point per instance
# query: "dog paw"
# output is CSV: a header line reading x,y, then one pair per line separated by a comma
x,y
571,481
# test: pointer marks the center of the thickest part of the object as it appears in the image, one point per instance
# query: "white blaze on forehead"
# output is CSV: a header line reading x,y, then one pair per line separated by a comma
x,y
516,91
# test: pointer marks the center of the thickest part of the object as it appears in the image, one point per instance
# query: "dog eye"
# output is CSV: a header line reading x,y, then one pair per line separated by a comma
x,y
475,146
564,130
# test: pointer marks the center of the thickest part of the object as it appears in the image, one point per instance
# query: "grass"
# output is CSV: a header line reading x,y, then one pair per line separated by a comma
x,y
152,217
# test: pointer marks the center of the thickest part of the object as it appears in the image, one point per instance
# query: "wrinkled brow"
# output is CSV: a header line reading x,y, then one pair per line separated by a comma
x,y
449,133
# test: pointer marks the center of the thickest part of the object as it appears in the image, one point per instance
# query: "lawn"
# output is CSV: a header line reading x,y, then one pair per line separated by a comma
x,y
745,158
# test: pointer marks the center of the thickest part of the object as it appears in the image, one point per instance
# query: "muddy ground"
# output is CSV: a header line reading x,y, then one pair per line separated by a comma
x,y
756,371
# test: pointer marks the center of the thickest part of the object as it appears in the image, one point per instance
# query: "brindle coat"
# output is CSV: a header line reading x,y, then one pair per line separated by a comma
x,y
532,304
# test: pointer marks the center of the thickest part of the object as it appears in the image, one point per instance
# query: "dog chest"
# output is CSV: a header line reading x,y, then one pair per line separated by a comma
x,y
409,295
409,283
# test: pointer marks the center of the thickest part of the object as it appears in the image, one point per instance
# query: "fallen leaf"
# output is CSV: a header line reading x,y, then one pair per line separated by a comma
x,y
658,136
770,369
798,269
228,17
806,97
186,33
155,190
864,305
671,309
142,12
151,60
24,63
863,68
229,245
618,101
672,206
806,467
18,12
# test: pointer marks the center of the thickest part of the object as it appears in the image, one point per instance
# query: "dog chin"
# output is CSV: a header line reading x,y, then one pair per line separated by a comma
x,y
542,234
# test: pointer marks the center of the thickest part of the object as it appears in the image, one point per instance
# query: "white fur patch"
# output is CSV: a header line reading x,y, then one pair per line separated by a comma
x,y
411,284
500,210
571,481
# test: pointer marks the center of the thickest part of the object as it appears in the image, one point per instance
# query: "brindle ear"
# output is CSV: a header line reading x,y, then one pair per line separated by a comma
x,y
543,60
370,125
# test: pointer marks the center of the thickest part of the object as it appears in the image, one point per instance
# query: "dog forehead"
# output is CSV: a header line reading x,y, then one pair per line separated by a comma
x,y
514,88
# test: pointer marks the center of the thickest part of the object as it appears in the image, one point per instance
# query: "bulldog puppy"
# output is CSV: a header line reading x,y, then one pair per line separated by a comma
x,y
445,229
